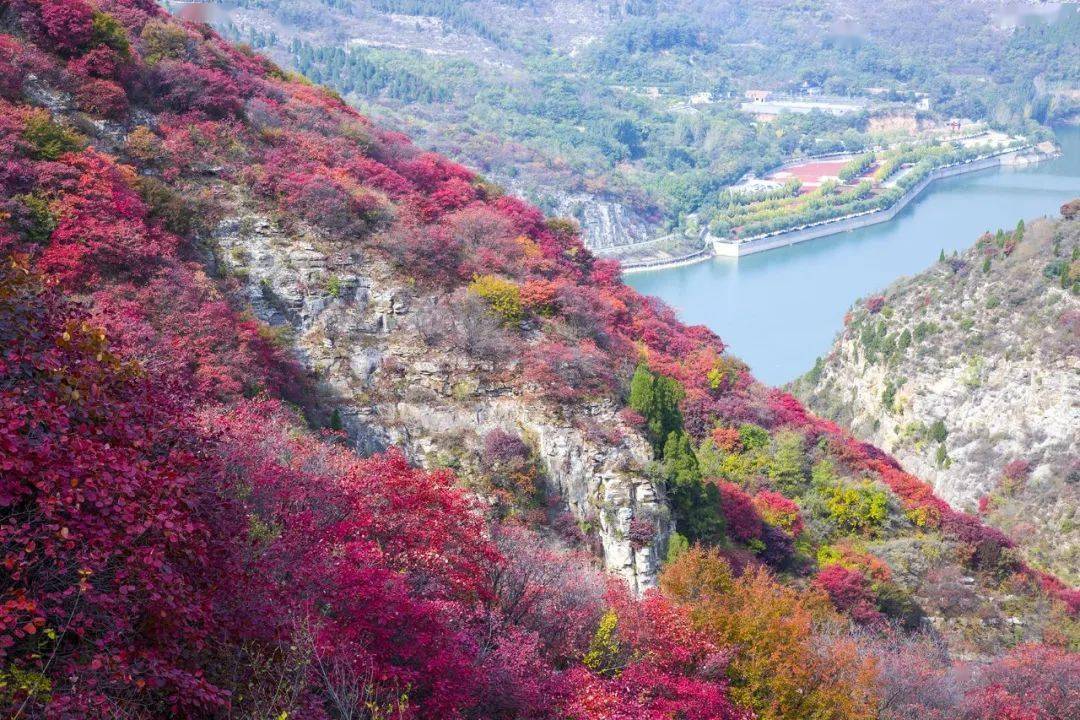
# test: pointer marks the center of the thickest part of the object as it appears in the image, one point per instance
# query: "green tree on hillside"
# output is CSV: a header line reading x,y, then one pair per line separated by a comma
x,y
696,503
787,468
656,398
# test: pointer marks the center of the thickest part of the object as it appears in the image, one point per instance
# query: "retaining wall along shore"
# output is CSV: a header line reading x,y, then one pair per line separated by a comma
x,y
719,247
853,222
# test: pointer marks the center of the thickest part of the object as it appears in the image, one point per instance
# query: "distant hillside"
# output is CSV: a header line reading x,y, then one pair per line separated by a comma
x,y
626,115
970,374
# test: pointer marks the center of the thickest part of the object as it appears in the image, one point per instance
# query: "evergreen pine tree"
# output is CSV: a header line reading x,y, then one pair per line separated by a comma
x,y
787,468
696,504
656,398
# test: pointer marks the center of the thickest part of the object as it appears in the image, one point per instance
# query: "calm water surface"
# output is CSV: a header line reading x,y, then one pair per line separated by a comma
x,y
779,310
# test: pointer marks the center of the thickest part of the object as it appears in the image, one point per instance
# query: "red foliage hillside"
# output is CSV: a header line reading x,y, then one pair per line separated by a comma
x,y
179,565
175,544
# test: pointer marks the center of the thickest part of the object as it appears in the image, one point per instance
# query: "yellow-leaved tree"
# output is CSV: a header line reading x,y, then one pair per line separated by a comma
x,y
791,659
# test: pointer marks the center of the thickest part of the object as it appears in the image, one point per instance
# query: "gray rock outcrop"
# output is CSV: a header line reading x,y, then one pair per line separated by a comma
x,y
354,322
969,374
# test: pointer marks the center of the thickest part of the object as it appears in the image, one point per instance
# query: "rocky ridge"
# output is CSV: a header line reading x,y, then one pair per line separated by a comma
x,y
969,374
355,325
352,322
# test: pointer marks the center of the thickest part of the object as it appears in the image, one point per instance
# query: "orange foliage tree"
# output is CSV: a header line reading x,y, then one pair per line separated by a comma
x,y
790,659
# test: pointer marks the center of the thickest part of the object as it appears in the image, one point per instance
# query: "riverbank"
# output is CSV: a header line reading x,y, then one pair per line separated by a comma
x,y
720,247
780,310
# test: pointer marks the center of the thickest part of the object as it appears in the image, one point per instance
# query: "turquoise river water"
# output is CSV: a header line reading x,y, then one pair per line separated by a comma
x,y
779,310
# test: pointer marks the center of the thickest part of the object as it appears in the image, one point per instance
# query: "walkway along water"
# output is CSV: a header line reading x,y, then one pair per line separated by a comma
x,y
748,246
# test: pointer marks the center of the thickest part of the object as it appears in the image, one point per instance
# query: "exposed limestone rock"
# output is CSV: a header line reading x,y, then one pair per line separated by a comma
x,y
46,96
606,225
352,317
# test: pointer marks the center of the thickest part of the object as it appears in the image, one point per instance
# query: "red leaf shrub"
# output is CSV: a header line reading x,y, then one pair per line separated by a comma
x,y
539,295
107,519
1057,589
606,272
632,418
391,555
778,510
454,193
431,253
779,547
321,199
1017,470
102,228
743,522
641,532
67,24
985,545
376,175
504,447
641,692
102,97
519,681
184,86
569,372
727,439
850,592
787,410
866,564
671,669
429,172
11,74
143,537
1031,681
100,62
555,595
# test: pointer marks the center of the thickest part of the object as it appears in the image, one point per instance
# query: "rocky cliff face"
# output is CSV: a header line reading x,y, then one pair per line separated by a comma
x,y
970,375
610,226
361,331
607,225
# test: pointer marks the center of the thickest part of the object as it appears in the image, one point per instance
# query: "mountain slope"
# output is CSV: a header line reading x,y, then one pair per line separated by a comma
x,y
628,115
968,374
224,293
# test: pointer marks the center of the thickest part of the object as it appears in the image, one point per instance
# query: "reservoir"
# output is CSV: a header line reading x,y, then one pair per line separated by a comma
x,y
779,310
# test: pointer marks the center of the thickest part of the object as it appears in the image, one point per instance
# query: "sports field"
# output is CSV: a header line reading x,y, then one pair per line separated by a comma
x,y
811,174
